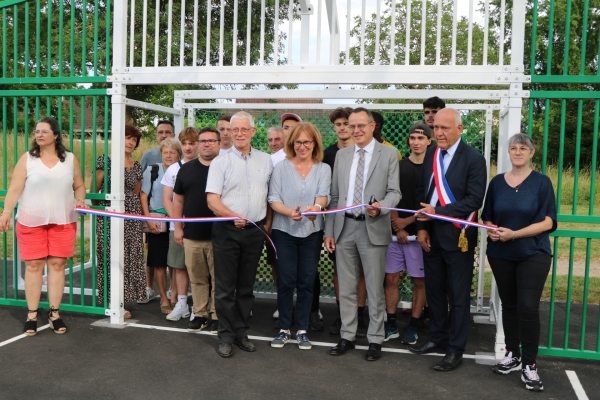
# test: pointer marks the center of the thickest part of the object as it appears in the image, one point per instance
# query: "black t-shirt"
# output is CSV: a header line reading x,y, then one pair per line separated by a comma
x,y
191,183
410,174
329,155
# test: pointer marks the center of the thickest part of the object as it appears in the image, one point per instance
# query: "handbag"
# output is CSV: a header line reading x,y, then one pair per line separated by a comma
x,y
162,227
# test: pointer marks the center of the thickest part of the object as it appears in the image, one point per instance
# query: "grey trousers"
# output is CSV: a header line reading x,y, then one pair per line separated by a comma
x,y
353,247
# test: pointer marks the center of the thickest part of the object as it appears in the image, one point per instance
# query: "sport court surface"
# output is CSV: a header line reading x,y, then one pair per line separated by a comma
x,y
144,361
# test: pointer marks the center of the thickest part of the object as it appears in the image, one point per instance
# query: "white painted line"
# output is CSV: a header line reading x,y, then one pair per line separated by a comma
x,y
577,385
21,336
323,344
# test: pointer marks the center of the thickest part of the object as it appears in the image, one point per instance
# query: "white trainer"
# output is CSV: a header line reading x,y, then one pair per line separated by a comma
x,y
149,296
179,312
276,314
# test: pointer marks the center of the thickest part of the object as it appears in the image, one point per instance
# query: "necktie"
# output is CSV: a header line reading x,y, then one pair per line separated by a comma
x,y
358,182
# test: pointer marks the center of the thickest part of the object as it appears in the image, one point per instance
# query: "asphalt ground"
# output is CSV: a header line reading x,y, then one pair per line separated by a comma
x,y
153,358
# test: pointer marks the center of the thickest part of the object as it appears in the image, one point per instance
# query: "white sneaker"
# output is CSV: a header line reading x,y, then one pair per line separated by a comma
x,y
179,312
149,296
276,314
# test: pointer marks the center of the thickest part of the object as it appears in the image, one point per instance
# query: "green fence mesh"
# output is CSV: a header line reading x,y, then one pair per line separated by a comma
x,y
395,130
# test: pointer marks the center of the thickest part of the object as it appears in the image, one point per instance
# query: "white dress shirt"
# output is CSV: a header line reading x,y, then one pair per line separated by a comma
x,y
278,157
447,160
368,155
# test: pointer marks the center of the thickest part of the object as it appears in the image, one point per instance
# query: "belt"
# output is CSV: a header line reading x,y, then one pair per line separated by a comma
x,y
250,226
360,217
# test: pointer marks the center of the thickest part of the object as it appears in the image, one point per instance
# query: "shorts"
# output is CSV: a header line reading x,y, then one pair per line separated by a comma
x,y
176,255
405,257
37,242
158,249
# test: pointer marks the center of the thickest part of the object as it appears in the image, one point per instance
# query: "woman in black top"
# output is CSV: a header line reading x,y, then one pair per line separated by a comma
x,y
521,203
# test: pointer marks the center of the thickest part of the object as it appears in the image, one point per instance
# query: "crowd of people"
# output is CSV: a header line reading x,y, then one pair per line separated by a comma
x,y
215,171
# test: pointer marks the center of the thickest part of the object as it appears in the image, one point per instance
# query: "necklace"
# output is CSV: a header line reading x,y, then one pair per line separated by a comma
x,y
517,187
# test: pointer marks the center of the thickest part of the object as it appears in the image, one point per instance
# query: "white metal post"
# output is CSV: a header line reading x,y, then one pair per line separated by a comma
x,y
178,119
117,184
510,124
305,10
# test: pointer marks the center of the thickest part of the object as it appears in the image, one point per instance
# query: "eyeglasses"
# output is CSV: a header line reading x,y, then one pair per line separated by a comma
x,y
44,132
427,112
243,130
306,143
360,127
208,141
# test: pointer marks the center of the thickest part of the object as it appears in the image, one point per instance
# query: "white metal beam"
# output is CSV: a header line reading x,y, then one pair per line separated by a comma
x,y
327,106
341,74
152,107
412,94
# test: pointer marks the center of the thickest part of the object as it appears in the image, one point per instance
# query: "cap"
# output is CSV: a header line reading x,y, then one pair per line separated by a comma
x,y
287,116
421,128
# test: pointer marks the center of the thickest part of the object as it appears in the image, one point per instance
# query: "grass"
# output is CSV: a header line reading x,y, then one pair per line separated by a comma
x,y
577,288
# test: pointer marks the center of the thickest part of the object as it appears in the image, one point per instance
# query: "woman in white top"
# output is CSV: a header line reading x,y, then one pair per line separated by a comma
x,y
48,185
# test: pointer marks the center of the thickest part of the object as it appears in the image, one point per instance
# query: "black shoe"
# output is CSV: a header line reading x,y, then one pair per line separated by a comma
x,y
450,362
225,350
334,329
374,352
31,324
245,344
342,347
315,322
363,326
427,348
197,324
214,326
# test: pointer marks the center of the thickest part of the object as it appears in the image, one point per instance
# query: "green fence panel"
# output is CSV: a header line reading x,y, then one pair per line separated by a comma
x,y
35,36
84,119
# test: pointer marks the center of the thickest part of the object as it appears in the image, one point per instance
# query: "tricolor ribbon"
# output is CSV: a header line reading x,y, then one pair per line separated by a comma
x,y
137,217
431,215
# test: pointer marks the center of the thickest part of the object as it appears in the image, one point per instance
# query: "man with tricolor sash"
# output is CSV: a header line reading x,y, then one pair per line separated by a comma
x,y
453,184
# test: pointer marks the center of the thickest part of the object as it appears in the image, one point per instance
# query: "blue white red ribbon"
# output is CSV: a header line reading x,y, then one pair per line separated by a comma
x,y
138,217
442,188
431,215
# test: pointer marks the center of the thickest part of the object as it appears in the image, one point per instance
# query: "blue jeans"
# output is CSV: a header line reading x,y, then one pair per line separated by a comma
x,y
296,269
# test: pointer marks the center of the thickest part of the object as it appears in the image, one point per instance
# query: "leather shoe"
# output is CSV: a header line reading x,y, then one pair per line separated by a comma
x,y
450,362
225,350
374,352
427,348
245,344
341,348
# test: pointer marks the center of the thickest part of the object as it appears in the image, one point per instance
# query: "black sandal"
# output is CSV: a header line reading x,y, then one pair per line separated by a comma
x,y
57,324
31,324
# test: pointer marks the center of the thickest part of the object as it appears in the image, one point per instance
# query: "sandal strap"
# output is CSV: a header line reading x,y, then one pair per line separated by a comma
x,y
32,311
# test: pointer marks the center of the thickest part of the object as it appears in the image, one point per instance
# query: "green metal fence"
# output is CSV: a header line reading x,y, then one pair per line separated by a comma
x,y
563,118
50,50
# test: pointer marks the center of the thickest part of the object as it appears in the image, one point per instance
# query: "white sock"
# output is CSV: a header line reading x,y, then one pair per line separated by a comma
x,y
283,330
182,300
300,332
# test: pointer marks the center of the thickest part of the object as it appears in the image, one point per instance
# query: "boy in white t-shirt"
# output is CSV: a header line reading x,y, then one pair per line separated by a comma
x,y
176,256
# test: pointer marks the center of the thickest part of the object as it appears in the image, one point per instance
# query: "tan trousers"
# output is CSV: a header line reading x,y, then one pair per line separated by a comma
x,y
200,267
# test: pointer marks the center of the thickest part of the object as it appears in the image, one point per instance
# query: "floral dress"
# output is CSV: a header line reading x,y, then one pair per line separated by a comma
x,y
135,273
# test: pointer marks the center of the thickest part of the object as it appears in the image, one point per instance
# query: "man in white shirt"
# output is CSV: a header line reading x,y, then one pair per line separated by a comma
x,y
288,121
176,256
275,138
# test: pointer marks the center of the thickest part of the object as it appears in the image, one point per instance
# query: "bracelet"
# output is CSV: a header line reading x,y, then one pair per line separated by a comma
x,y
76,200
318,205
6,212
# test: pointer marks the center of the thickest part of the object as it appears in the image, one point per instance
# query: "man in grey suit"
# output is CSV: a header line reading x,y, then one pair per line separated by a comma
x,y
367,169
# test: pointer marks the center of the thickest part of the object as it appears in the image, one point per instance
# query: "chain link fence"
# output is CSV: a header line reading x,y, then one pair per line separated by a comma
x,y
395,131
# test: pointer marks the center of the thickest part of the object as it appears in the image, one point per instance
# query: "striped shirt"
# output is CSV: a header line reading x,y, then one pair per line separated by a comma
x,y
288,187
242,181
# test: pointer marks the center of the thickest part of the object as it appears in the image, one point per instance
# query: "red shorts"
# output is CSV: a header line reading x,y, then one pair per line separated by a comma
x,y
46,240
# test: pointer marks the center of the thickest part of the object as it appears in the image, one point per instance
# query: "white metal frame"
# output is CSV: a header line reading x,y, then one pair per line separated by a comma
x,y
509,79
